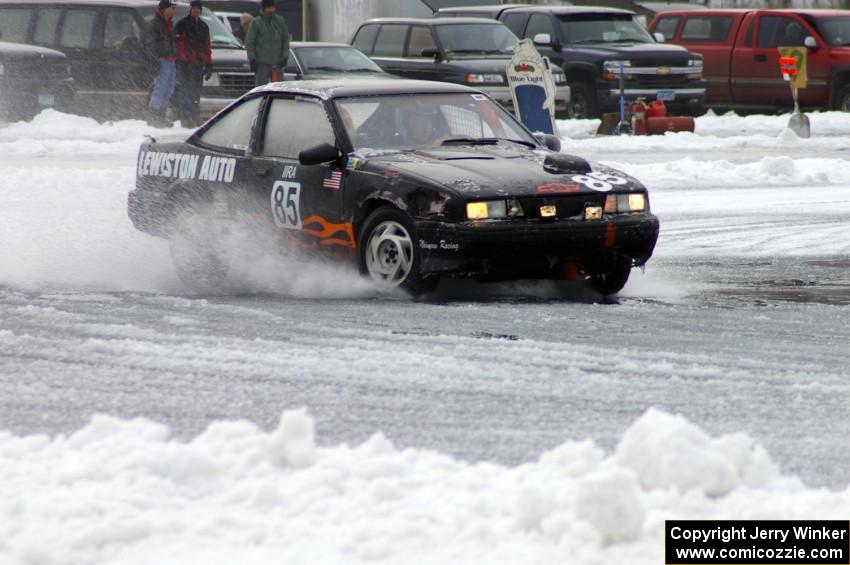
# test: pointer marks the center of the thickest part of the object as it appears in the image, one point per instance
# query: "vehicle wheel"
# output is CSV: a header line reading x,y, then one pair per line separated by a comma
x,y
199,251
842,100
583,104
614,280
387,252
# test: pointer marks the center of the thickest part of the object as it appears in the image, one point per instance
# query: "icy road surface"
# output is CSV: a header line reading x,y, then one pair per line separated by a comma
x,y
739,324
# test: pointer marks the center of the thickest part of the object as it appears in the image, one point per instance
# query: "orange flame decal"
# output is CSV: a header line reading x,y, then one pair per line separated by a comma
x,y
327,229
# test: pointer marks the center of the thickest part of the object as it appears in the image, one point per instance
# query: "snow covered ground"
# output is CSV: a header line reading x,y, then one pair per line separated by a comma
x,y
143,424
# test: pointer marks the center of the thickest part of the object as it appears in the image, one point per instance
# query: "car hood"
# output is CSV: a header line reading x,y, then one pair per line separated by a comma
x,y
323,75
491,171
230,59
16,51
644,54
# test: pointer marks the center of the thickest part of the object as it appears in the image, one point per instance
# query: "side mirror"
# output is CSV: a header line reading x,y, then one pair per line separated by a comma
x,y
431,52
322,153
810,42
543,39
659,37
550,141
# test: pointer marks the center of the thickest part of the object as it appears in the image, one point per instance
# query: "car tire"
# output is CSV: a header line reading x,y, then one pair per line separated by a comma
x,y
842,99
199,250
583,103
612,281
387,251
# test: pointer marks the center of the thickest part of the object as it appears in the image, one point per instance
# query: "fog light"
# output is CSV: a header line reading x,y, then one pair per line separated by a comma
x,y
515,208
593,213
476,210
548,211
637,202
484,210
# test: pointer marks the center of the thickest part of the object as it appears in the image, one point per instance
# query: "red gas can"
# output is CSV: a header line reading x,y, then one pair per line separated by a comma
x,y
656,109
638,112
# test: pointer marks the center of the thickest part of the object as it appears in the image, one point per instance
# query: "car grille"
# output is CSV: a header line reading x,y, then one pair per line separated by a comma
x,y
38,69
236,84
569,206
661,80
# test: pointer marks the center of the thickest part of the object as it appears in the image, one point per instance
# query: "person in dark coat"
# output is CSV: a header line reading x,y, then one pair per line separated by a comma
x,y
194,62
267,43
160,46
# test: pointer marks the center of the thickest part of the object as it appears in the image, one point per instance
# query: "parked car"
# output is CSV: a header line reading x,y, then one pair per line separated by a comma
x,y
590,44
739,48
409,180
31,79
233,22
470,51
309,60
492,11
102,41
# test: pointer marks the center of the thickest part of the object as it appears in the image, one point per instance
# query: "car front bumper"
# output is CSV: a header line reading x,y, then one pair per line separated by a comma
x,y
684,98
536,247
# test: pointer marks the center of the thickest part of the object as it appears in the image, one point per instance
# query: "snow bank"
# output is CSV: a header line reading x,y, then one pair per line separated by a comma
x,y
120,491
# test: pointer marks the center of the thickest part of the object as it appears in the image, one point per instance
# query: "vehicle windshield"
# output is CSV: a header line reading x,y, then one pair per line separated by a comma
x,y
836,31
220,35
407,121
478,39
340,59
603,28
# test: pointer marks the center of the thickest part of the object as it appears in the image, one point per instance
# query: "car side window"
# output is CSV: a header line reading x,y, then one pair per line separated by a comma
x,y
706,28
390,41
539,23
776,31
514,23
365,38
420,38
294,125
14,24
121,31
233,131
77,28
45,26
667,26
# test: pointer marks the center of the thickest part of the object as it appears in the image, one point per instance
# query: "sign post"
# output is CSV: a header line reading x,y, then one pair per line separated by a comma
x,y
532,88
792,64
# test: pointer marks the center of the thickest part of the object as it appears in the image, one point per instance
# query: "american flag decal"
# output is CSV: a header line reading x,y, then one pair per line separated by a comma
x,y
333,179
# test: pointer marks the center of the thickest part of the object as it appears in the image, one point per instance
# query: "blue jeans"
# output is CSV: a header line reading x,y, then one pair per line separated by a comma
x,y
264,73
163,85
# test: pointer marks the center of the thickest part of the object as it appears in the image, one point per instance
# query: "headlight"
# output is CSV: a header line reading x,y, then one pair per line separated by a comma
x,y
494,78
695,68
494,209
611,69
633,202
213,80
560,78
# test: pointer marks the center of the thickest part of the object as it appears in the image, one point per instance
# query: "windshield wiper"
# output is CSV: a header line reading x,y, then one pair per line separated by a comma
x,y
582,41
484,141
363,70
219,43
335,69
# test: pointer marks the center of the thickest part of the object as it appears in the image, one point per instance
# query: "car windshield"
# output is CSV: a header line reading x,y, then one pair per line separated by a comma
x,y
407,121
836,31
479,39
220,35
341,59
603,28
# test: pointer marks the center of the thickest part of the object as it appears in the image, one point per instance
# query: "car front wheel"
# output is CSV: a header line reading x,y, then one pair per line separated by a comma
x,y
613,280
199,251
387,251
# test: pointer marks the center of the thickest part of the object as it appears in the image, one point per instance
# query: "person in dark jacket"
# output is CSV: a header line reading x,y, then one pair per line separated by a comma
x,y
267,43
160,46
194,61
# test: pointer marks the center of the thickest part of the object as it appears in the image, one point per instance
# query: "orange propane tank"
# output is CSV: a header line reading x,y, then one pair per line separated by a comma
x,y
657,126
638,112
656,109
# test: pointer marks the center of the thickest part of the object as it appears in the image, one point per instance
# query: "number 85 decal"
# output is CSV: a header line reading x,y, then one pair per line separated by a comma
x,y
285,204
603,182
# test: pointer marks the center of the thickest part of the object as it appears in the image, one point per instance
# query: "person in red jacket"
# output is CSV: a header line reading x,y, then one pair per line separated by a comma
x,y
194,62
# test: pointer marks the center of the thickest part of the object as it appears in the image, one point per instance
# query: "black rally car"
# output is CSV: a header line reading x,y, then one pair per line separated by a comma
x,y
412,180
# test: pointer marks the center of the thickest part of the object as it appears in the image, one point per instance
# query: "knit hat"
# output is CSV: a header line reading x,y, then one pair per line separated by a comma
x,y
195,4
267,3
163,4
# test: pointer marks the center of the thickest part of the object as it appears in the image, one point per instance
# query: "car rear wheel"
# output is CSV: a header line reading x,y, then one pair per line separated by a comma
x,y
387,251
842,101
199,251
583,103
612,281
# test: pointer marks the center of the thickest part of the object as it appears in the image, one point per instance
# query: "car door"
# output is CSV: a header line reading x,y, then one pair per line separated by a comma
x,y
421,66
543,24
304,202
123,60
388,51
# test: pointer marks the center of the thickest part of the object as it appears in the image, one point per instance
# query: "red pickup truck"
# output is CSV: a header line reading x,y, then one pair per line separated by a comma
x,y
741,62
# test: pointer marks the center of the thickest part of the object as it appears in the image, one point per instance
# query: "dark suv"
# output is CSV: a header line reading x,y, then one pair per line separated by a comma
x,y
470,51
31,79
102,41
590,43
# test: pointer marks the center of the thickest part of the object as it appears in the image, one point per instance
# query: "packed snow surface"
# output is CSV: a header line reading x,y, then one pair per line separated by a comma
x,y
132,491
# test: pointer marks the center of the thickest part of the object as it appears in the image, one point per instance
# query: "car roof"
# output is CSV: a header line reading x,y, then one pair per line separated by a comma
x,y
432,21
342,88
121,3
814,12
302,44
568,10
493,8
